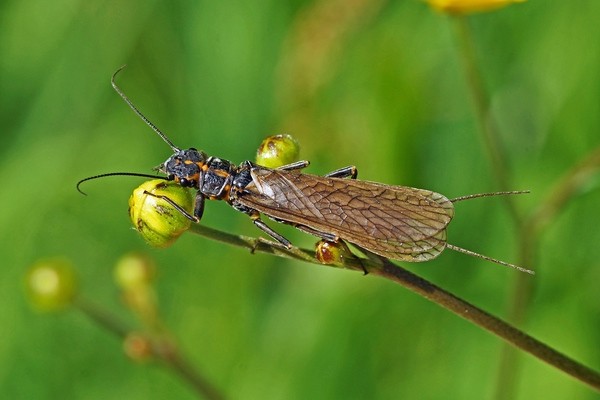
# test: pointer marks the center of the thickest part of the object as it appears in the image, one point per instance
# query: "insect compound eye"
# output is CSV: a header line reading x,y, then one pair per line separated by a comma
x,y
184,182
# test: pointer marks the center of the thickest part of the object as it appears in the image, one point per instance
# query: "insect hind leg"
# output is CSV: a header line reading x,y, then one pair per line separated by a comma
x,y
347,172
323,235
294,166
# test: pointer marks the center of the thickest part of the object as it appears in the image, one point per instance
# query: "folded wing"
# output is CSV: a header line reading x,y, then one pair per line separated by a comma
x,y
397,222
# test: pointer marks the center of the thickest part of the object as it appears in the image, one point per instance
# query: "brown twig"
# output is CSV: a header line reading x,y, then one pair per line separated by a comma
x,y
409,280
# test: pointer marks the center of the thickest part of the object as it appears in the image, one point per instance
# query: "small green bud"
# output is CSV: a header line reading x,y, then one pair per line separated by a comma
x,y
159,223
134,274
277,150
51,284
134,270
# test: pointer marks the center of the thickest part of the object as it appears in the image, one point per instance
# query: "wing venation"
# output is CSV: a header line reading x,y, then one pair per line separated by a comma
x,y
394,221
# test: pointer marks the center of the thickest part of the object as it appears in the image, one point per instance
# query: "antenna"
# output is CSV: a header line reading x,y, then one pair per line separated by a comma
x,y
116,174
138,112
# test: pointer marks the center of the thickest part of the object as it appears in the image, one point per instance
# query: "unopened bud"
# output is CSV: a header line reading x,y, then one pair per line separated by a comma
x,y
159,223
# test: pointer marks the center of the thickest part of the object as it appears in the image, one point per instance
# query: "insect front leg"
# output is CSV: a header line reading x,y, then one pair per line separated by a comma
x,y
346,172
198,207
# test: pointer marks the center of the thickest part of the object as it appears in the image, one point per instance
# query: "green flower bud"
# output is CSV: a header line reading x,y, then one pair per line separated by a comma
x,y
51,284
134,274
277,150
159,223
134,270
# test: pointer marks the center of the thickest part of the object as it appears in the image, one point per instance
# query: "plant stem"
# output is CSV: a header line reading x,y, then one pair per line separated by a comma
x,y
493,324
562,192
161,348
522,287
487,127
101,317
386,269
174,359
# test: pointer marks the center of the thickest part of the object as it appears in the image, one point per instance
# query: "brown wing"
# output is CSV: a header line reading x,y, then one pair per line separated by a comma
x,y
394,221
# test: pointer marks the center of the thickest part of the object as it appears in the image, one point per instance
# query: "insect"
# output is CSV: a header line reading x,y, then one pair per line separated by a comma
x,y
396,222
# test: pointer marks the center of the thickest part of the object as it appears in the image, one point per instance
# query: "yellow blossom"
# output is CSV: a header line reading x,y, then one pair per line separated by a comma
x,y
469,6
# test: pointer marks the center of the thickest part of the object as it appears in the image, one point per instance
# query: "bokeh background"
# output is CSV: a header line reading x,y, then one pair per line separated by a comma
x,y
377,84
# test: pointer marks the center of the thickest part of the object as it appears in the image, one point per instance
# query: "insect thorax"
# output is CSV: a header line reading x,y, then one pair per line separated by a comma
x,y
216,179
242,178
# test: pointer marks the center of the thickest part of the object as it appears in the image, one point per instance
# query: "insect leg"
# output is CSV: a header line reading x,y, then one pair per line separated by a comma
x,y
295,165
265,228
346,248
176,206
323,235
346,172
199,206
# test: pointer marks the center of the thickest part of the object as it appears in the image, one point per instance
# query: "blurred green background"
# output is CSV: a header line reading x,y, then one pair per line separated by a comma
x,y
372,83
